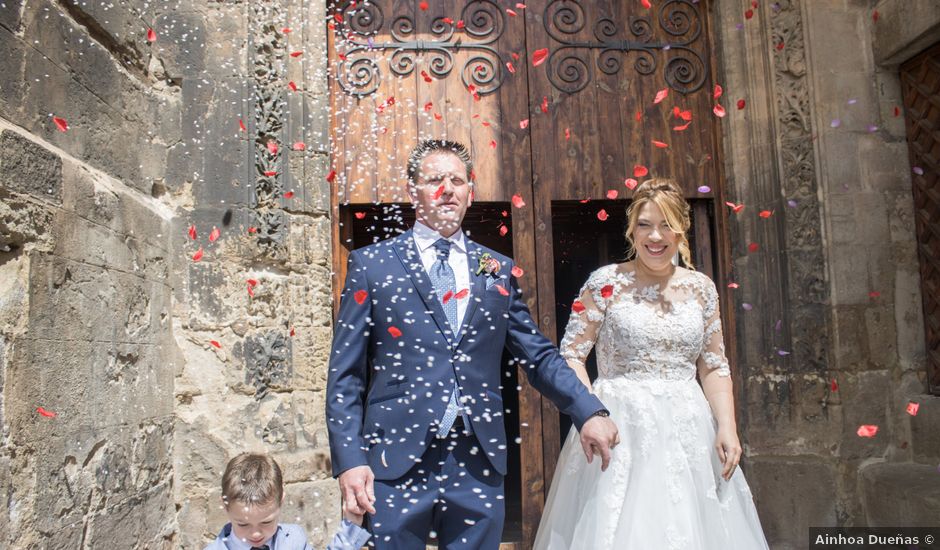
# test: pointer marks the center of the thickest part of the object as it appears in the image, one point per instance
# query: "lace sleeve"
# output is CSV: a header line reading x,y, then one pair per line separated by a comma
x,y
587,314
713,343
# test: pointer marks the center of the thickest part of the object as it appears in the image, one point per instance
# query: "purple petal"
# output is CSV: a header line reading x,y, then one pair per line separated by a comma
x,y
791,203
779,325
835,123
746,306
853,101
704,189
918,170
872,128
782,353
739,26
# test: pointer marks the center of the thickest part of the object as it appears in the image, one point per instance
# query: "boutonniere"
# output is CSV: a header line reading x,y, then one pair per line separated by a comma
x,y
488,265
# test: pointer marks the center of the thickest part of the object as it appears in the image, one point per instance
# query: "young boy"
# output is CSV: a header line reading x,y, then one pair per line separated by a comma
x,y
252,493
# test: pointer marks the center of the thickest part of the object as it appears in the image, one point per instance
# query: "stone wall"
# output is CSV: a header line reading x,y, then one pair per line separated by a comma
x,y
158,367
261,291
85,297
839,342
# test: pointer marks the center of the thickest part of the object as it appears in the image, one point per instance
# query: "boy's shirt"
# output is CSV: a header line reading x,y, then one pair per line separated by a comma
x,y
292,537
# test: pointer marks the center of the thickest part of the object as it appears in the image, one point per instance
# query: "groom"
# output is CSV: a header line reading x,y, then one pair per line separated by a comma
x,y
413,402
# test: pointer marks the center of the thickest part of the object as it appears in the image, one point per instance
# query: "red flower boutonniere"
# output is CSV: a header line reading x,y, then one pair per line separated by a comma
x,y
488,265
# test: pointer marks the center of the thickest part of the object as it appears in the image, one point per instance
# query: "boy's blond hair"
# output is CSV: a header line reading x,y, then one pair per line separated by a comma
x,y
252,478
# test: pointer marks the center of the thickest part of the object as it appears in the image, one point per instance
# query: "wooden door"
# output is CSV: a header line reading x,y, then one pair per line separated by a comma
x,y
561,102
920,80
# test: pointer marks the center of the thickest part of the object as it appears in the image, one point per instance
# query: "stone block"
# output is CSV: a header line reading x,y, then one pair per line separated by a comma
x,y
314,505
10,14
851,342
11,63
182,44
792,494
900,495
227,31
200,456
311,354
905,28
841,177
24,224
925,427
310,242
152,514
882,337
27,167
865,397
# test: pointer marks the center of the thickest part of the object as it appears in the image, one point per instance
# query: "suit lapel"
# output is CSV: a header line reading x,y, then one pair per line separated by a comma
x,y
477,285
411,261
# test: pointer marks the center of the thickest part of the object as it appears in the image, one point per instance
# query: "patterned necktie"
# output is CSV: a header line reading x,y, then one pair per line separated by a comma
x,y
442,277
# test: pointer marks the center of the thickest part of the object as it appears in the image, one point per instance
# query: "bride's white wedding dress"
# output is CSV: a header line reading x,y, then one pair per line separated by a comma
x,y
663,489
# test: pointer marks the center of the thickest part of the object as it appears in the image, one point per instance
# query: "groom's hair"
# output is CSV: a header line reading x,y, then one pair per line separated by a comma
x,y
252,478
431,146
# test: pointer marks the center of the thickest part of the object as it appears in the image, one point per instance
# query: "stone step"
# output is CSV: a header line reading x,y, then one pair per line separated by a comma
x,y
925,430
901,494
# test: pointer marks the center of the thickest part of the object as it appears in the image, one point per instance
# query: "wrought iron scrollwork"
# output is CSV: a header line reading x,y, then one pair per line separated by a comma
x,y
684,69
361,23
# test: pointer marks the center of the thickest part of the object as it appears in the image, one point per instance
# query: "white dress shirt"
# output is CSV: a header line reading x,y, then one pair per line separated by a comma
x,y
425,237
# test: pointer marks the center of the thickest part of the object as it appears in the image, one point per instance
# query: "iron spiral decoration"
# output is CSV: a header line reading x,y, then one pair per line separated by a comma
x,y
569,65
359,72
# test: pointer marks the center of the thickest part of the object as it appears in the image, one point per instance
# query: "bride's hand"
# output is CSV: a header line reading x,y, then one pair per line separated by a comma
x,y
729,450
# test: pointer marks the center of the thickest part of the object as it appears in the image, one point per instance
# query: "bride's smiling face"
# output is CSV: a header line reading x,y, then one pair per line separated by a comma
x,y
654,241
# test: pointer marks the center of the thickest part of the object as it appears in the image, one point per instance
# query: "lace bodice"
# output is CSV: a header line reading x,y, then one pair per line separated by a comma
x,y
647,332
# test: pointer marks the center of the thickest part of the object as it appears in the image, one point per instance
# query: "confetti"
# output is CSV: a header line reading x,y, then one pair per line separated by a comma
x,y
523,124
749,14
517,271
577,306
510,67
462,294
545,104
780,45
660,144
296,54
607,291
192,232
719,110
360,215
782,353
331,177
539,56
683,127
517,201
646,4
704,189
46,413
446,297
503,230
502,290
511,12
198,255
660,95
639,170
241,125
567,134
394,332
61,124
765,214
912,408
918,170
289,195
151,36
299,146
867,430
718,91
753,247
835,123
791,203
292,86
612,194
834,386
215,344
602,215
746,306
733,285
874,294
215,234
423,6
631,183
741,104
360,296
872,128
735,207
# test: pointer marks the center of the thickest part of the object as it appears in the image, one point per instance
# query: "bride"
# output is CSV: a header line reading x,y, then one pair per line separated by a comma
x,y
673,483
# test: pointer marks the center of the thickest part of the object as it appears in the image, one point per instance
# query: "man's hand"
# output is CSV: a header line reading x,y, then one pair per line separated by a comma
x,y
356,484
599,435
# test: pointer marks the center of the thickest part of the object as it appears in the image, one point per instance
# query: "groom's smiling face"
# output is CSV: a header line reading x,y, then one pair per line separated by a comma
x,y
441,193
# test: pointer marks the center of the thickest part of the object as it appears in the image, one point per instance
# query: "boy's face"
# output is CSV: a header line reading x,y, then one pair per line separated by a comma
x,y
253,523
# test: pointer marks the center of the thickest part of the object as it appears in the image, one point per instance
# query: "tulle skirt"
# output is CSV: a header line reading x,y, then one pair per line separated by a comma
x,y
663,489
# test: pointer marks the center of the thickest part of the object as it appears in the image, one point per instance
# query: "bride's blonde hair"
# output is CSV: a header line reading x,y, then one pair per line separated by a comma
x,y
665,194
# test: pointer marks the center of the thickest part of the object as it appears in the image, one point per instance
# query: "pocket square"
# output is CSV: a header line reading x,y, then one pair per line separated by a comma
x,y
490,281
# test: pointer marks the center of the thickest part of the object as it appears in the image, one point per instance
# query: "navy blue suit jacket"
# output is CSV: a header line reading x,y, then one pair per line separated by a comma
x,y
394,359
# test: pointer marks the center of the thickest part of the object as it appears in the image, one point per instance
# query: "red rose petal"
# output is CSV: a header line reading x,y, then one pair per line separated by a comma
x,y
289,195
733,285
215,344
735,207
577,306
834,386
912,408
607,291
523,124
718,91
198,255
545,104
360,215
503,230
639,170
270,173
867,430
753,247
394,332
683,127
61,124
741,104
360,296
602,215
765,214
151,36
439,192
241,125
428,106
44,412
292,86
719,110
660,144
631,183
517,271
423,6
612,194
749,14
296,54
446,297
462,294
539,57
192,232
567,134
646,4
502,290
331,176
660,95
517,201
299,146
214,235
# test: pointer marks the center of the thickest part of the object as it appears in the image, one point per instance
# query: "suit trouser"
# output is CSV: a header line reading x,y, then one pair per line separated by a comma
x,y
453,491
